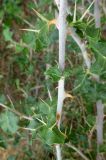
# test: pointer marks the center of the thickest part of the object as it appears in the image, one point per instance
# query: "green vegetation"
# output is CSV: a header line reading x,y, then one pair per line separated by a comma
x,y
29,75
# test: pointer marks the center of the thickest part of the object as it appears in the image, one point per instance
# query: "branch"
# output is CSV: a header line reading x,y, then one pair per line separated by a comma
x,y
97,14
99,104
62,42
58,152
99,122
62,6
62,32
81,45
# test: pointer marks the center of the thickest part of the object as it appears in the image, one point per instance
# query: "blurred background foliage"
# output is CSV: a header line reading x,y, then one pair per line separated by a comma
x,y
25,80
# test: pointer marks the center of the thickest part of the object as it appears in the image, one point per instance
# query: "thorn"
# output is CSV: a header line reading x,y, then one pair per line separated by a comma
x,y
75,9
51,22
40,16
57,117
31,30
68,96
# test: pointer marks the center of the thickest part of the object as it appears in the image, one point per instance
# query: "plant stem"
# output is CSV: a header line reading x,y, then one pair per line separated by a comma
x,y
82,46
99,104
97,14
62,33
61,96
62,42
58,152
99,122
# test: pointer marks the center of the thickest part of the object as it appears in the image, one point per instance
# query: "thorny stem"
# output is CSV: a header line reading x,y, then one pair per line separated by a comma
x,y
99,122
62,41
62,36
99,127
61,95
99,104
62,5
62,33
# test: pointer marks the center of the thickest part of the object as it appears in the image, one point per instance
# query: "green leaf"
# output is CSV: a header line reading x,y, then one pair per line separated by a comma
x,y
73,47
80,25
43,108
29,38
100,47
11,157
103,148
91,119
2,98
7,34
93,33
9,122
54,73
1,14
99,50
3,142
39,45
96,68
52,135
12,7
18,48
